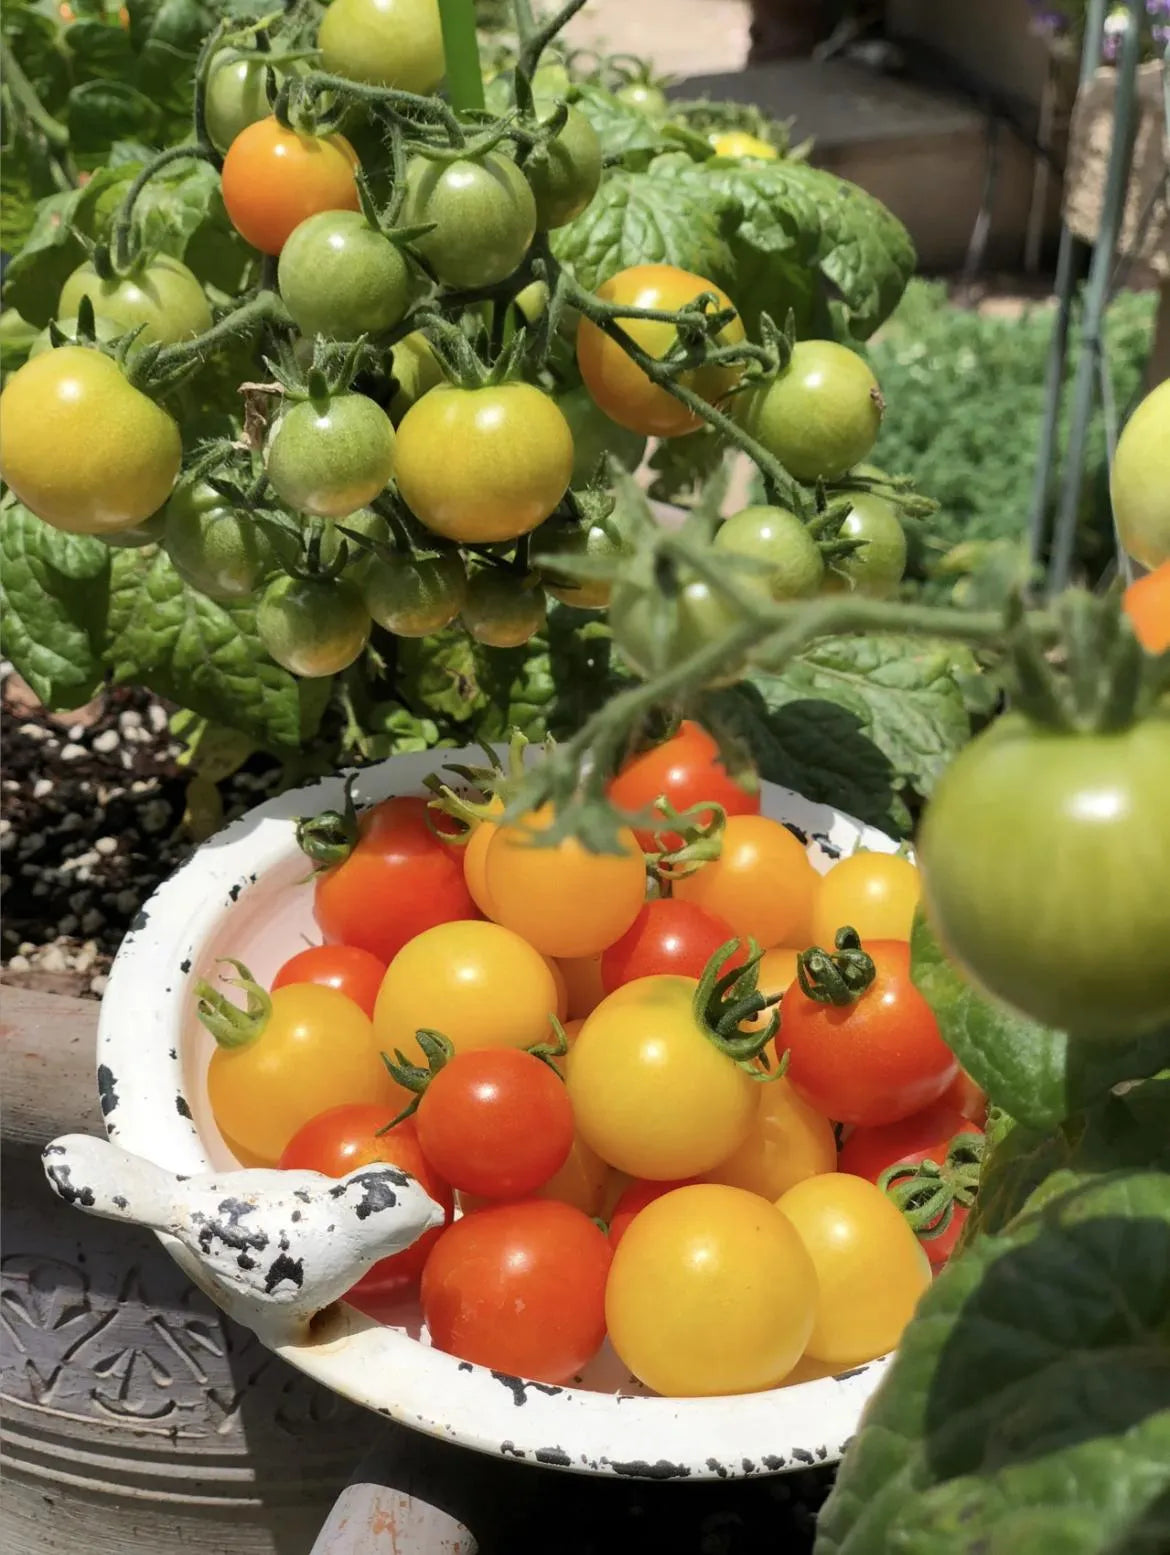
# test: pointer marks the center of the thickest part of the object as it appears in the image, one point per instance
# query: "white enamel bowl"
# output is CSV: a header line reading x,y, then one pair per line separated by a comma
x,y
244,894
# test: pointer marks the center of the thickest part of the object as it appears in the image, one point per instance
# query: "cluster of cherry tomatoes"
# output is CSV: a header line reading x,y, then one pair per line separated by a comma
x,y
561,1065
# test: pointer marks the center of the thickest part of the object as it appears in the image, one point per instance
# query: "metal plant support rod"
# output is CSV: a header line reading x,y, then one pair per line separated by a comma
x,y
1096,298
1091,47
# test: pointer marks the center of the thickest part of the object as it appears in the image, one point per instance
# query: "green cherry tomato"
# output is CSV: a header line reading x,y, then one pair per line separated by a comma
x,y
312,626
1140,481
414,596
484,214
479,466
384,42
652,633
416,370
502,610
645,97
595,435
333,458
364,522
163,296
237,95
340,277
564,538
81,448
876,567
104,329
820,416
565,175
1045,857
776,536
223,553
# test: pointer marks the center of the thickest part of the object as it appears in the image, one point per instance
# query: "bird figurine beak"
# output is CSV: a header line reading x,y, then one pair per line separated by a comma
x,y
272,1248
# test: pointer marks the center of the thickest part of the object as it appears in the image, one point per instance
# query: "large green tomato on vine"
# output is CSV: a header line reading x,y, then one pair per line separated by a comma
x,y
877,566
415,595
81,448
222,553
820,416
333,457
313,626
777,538
396,43
1045,857
237,95
565,173
1140,483
163,296
484,216
340,277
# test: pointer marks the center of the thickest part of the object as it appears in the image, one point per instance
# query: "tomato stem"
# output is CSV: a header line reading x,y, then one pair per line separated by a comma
x,y
231,1026
152,368
928,1194
724,999
124,221
404,108
438,1051
838,977
461,49
330,837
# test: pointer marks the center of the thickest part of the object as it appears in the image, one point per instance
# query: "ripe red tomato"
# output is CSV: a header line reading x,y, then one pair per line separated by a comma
x,y
519,1288
496,1122
686,769
352,971
274,178
667,936
399,880
875,1060
634,1198
339,1141
966,1097
926,1136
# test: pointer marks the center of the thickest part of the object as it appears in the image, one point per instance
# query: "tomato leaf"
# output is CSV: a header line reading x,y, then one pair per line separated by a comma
x,y
1038,1075
625,131
54,591
1028,1405
203,655
650,218
35,276
857,721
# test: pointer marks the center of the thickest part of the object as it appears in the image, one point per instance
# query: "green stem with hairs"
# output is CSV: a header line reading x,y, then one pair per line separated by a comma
x,y
124,223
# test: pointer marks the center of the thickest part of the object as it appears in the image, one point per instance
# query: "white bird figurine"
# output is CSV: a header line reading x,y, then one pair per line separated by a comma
x,y
273,1247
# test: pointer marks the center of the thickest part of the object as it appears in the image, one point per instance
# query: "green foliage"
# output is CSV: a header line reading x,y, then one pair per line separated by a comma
x,y
966,396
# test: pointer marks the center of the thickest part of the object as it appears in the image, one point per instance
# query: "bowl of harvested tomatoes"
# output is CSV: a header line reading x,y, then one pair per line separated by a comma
x,y
697,1141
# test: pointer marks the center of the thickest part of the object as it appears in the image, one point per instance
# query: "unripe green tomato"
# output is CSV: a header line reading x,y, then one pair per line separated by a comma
x,y
222,553
820,416
564,176
341,278
164,296
696,618
312,626
484,216
502,610
1140,483
333,458
237,95
417,370
384,43
875,568
414,596
560,537
776,536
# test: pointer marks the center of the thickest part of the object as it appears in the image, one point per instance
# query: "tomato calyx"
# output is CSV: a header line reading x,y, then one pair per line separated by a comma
x,y
496,781
329,837
839,976
231,1026
438,1051
723,1000
928,1194
700,829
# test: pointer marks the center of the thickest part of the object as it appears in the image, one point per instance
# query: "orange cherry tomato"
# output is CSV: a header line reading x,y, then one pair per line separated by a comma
x,y
762,883
582,975
1147,604
874,893
787,1142
686,769
274,178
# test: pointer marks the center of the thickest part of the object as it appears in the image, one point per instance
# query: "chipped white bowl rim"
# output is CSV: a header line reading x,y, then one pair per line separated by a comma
x,y
144,1091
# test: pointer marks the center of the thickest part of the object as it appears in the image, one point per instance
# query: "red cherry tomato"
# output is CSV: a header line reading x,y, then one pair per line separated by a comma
x,y
875,1060
667,936
686,769
339,1141
496,1122
967,1097
634,1198
399,880
352,971
925,1136
519,1288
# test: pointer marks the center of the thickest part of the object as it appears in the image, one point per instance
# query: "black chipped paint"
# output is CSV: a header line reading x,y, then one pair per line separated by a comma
x,y
510,1450
182,1108
295,1216
339,1192
303,1194
378,1191
227,1228
517,1386
828,847
246,1261
772,1462
234,892
555,1457
139,921
107,1089
60,1176
801,836
638,1468
748,1465
717,1468
466,1366
822,1453
843,1376
284,1268
121,1202
185,965
802,1455
173,1054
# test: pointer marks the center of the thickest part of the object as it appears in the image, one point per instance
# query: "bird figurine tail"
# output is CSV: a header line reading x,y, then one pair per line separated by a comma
x,y
103,1179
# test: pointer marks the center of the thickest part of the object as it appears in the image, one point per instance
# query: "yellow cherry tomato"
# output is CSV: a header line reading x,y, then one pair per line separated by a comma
x,y
582,976
315,1051
651,1092
564,900
777,970
710,1291
870,1266
582,1181
475,855
874,893
763,883
787,1142
738,143
479,984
